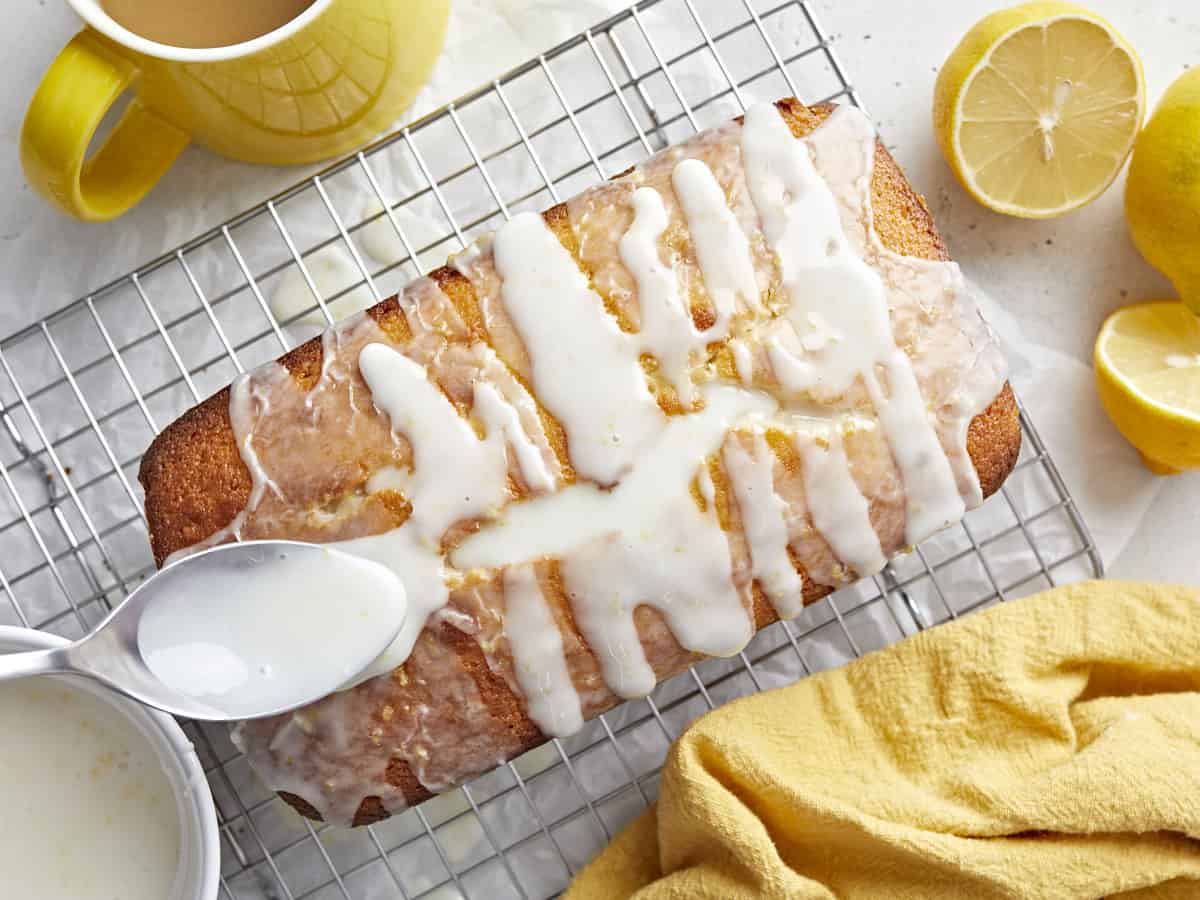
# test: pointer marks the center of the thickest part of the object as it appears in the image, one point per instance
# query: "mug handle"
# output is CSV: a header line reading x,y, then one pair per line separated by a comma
x,y
82,83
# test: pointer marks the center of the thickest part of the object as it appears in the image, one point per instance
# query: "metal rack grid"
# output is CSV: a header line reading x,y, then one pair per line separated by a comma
x,y
85,389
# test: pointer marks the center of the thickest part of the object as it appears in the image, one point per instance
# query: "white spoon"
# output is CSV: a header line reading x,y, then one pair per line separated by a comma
x,y
238,632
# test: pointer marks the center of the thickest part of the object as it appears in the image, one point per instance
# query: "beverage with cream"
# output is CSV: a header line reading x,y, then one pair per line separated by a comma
x,y
204,23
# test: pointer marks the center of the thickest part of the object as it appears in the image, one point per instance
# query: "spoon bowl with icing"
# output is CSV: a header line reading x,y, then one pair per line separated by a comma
x,y
239,631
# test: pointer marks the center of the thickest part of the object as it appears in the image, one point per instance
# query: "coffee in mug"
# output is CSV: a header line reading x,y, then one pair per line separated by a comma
x,y
203,23
268,81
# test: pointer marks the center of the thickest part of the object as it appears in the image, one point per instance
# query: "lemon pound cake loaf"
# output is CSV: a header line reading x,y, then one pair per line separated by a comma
x,y
603,442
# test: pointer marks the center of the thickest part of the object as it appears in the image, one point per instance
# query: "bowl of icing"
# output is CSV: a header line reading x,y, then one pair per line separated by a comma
x,y
104,797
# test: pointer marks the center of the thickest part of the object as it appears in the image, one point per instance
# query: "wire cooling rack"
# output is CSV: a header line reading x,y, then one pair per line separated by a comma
x,y
85,390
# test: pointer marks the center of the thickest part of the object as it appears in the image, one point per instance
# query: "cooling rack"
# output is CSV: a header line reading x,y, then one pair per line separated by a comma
x,y
84,390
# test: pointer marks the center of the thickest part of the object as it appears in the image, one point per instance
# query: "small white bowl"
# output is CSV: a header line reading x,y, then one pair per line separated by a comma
x,y
199,841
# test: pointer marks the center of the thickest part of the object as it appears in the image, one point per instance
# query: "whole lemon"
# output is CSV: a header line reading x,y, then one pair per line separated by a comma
x,y
1162,195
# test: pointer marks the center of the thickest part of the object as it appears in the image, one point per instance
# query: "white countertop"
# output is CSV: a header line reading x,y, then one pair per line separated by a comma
x,y
1058,279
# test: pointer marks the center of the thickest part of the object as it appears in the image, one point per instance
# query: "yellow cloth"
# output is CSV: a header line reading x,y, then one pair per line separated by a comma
x,y
1046,748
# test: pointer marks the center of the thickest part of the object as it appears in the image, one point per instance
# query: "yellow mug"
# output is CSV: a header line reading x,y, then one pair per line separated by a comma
x,y
325,82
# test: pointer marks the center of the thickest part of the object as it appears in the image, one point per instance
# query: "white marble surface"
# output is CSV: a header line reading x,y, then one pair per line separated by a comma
x,y
1053,281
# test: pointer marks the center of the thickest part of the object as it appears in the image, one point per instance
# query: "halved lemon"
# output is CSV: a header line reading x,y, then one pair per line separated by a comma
x,y
1148,373
1037,108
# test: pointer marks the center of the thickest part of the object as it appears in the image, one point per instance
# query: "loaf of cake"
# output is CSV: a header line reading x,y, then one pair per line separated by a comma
x,y
606,441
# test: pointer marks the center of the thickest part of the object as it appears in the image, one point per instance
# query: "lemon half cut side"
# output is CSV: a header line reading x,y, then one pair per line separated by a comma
x,y
1037,108
1147,360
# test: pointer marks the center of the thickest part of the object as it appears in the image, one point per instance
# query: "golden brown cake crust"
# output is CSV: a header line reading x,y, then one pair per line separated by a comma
x,y
196,482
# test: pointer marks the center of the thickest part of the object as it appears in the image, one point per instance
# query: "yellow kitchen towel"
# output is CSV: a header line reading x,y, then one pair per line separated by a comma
x,y
1046,748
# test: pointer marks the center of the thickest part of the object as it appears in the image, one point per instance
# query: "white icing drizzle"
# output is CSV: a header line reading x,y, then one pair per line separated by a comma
x,y
838,508
250,399
643,542
961,345
442,441
698,599
667,329
538,660
334,363
249,402
743,359
839,310
720,244
500,416
585,370
555,524
763,513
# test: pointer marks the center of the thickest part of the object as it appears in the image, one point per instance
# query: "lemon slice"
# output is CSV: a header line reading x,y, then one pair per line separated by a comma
x,y
1037,108
1148,373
